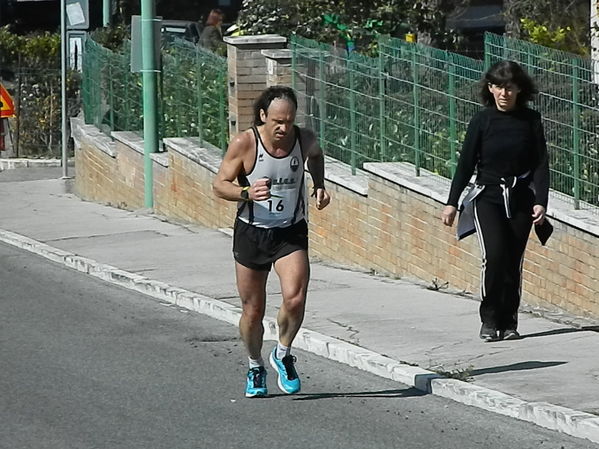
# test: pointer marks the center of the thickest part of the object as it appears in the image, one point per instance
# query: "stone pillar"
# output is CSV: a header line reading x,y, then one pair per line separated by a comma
x,y
247,75
278,67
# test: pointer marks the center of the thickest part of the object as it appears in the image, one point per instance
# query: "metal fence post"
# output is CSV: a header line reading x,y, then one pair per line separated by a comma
x,y
111,96
321,99
382,121
487,51
222,112
575,132
200,99
293,62
352,113
453,136
416,115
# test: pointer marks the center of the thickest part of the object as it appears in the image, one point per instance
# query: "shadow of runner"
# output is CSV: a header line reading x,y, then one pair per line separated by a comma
x,y
520,366
404,393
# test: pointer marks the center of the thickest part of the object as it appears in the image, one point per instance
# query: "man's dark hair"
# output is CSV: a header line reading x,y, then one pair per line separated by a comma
x,y
266,98
503,73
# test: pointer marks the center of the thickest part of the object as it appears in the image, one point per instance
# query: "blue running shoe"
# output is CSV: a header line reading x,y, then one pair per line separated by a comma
x,y
256,383
289,381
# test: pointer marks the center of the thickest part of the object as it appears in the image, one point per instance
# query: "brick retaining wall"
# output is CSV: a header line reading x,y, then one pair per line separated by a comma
x,y
383,219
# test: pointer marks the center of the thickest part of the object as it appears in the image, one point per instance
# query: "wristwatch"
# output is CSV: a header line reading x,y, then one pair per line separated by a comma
x,y
245,193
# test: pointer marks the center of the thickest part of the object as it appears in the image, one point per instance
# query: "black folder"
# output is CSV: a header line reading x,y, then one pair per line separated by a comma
x,y
544,231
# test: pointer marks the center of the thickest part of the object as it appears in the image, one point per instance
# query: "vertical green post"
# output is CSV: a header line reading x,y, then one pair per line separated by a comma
x,y
576,131
222,101
416,115
111,99
127,100
453,135
150,94
322,105
487,51
106,13
352,113
293,62
382,121
200,98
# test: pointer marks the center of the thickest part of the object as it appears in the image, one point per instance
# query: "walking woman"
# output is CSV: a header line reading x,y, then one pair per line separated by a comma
x,y
505,144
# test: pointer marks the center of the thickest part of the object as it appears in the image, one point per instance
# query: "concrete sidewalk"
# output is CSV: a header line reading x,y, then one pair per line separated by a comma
x,y
394,328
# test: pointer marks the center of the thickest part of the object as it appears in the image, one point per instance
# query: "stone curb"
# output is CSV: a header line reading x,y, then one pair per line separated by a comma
x,y
571,422
10,164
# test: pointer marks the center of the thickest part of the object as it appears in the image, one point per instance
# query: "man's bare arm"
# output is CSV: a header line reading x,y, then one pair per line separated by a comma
x,y
315,162
224,184
315,157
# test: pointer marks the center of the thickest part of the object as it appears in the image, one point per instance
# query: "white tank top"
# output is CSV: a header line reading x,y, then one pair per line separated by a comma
x,y
286,206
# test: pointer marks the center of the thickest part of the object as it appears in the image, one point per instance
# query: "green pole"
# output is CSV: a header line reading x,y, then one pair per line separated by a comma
x,y
200,98
150,96
416,101
106,13
487,51
576,132
222,101
382,122
352,113
453,135
322,105
293,62
111,99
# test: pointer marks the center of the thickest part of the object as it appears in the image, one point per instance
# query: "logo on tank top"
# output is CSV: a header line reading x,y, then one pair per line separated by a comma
x,y
261,157
294,164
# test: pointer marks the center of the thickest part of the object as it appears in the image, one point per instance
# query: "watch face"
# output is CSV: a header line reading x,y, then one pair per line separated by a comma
x,y
245,194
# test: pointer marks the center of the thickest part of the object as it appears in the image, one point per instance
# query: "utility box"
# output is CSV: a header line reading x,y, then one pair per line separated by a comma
x,y
136,51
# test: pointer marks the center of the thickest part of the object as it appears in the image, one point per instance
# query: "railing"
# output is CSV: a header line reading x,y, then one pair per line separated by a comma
x,y
413,102
192,92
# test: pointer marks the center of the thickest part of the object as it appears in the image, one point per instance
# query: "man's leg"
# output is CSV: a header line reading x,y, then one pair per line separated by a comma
x,y
251,285
294,272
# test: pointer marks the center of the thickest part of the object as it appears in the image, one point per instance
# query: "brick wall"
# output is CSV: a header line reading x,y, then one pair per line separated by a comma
x,y
383,219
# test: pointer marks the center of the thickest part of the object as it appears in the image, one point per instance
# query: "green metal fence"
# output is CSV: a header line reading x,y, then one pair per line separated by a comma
x,y
410,104
413,104
192,92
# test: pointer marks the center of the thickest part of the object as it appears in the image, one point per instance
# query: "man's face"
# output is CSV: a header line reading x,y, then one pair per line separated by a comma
x,y
279,119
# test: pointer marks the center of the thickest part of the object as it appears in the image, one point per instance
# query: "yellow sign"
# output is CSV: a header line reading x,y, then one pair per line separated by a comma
x,y
7,107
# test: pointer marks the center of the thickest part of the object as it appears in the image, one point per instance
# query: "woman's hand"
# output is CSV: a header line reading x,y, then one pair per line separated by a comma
x,y
538,214
448,215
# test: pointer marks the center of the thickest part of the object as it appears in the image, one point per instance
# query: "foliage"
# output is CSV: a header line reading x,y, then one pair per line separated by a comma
x,y
192,92
33,50
353,21
562,19
111,37
542,34
32,64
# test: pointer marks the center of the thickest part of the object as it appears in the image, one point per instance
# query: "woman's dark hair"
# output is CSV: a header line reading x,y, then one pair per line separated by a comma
x,y
266,98
503,73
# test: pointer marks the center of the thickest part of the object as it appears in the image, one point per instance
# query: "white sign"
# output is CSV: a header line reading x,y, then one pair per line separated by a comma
x,y
75,14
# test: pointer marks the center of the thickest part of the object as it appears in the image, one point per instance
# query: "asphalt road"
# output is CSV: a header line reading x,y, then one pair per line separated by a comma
x,y
84,364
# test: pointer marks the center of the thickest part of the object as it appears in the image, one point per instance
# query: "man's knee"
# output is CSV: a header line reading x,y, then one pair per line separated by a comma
x,y
252,311
295,304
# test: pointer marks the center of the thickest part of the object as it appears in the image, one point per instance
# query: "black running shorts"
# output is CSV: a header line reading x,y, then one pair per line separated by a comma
x,y
258,248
